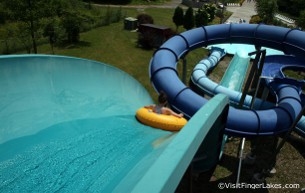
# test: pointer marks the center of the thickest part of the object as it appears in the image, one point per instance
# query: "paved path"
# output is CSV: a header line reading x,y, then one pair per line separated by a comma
x,y
168,5
173,3
244,12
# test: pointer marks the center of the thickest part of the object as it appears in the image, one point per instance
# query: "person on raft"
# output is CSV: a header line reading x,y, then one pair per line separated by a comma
x,y
161,108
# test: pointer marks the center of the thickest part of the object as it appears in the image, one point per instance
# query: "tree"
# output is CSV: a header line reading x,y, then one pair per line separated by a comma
x,y
3,13
178,17
293,7
30,12
72,24
211,10
201,18
301,20
266,9
117,2
188,20
144,18
51,31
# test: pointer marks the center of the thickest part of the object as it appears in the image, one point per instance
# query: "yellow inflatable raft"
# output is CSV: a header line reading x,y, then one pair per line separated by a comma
x,y
165,122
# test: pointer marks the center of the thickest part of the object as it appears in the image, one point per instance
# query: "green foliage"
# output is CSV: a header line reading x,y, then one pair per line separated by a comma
x,y
210,10
301,20
112,16
6,33
15,36
53,31
189,20
255,19
292,7
144,18
49,31
219,13
30,12
278,22
3,14
118,2
178,17
26,10
266,10
72,24
201,18
56,20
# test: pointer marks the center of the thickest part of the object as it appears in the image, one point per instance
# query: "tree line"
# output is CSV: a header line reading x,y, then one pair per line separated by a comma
x,y
189,19
115,2
292,7
29,22
266,10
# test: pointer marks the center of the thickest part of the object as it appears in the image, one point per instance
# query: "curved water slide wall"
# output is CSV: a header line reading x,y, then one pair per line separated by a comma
x,y
68,125
164,77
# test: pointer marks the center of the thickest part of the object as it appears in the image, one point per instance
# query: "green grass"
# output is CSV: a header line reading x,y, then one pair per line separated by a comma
x,y
115,46
118,47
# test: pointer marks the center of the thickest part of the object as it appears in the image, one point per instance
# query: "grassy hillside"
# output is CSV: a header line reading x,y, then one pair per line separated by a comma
x,y
118,47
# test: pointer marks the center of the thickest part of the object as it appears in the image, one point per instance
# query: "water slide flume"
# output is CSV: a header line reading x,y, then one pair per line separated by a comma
x,y
273,121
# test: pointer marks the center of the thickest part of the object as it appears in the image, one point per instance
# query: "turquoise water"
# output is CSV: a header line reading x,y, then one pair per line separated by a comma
x,y
68,125
244,49
236,72
77,156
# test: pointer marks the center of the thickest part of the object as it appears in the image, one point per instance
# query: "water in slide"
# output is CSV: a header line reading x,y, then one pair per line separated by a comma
x,y
236,72
231,82
66,125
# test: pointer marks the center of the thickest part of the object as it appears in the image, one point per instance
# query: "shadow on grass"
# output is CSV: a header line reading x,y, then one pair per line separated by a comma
x,y
206,183
265,148
231,163
298,143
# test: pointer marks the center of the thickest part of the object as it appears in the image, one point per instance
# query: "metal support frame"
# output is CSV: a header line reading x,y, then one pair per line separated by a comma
x,y
184,70
255,79
184,67
272,162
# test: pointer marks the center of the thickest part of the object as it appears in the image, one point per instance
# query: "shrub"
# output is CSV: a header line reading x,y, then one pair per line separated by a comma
x,y
201,18
188,20
255,19
144,18
178,17
210,10
72,25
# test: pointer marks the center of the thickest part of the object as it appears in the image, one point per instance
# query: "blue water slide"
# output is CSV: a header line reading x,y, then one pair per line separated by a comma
x,y
273,121
276,64
274,67
200,80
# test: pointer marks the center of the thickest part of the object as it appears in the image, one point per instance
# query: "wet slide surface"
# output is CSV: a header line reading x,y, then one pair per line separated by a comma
x,y
66,125
236,72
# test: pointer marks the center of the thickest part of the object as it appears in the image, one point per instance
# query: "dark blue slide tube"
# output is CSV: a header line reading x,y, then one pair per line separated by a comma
x,y
164,76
